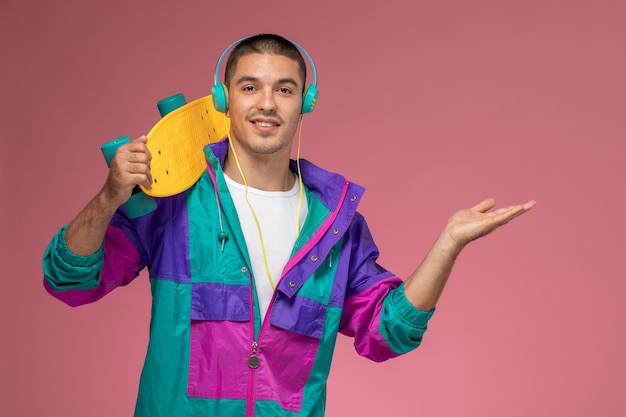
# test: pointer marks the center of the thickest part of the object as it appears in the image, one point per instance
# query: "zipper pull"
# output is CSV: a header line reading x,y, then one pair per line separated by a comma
x,y
254,361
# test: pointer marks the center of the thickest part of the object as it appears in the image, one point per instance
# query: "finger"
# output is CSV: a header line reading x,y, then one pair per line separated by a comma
x,y
530,204
144,140
135,167
140,139
521,207
139,158
144,180
506,214
147,184
137,177
139,147
134,162
525,207
135,158
484,205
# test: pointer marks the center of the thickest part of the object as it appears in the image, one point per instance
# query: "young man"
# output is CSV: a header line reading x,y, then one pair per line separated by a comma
x,y
253,274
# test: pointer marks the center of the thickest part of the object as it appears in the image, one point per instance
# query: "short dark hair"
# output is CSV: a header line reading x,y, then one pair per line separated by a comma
x,y
264,43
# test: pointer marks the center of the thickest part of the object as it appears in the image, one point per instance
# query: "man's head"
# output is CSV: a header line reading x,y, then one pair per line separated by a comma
x,y
264,103
264,44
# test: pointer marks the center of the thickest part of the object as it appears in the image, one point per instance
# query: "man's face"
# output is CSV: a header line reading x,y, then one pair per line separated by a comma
x,y
264,104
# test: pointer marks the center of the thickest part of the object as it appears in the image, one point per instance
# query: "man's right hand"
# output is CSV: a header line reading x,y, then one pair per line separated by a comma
x,y
129,167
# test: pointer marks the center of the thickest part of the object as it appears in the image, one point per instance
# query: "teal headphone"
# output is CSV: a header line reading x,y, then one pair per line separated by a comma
x,y
220,92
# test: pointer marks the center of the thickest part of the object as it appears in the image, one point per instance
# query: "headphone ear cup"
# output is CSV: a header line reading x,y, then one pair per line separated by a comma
x,y
219,93
309,100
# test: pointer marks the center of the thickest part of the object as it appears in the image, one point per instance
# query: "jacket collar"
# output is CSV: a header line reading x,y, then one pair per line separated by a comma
x,y
326,185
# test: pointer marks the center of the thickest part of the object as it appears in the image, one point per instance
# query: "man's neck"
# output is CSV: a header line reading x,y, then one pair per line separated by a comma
x,y
268,174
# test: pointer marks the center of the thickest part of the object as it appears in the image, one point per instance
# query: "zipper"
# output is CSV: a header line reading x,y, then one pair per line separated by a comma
x,y
250,404
290,264
254,361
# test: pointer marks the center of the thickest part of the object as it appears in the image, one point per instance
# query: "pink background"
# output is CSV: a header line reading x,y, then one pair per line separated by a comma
x,y
431,105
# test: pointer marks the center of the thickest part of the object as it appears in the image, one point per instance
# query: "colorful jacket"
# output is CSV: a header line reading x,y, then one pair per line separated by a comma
x,y
205,317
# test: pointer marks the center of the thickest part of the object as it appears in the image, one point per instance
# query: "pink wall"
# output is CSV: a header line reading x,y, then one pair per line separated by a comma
x,y
433,106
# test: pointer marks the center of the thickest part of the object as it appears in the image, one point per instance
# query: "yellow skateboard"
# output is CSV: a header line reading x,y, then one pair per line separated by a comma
x,y
176,143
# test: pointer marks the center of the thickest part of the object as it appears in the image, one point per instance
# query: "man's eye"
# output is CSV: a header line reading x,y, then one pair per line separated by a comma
x,y
284,90
249,88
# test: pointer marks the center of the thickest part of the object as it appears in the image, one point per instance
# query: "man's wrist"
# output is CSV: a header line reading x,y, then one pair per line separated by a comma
x,y
447,247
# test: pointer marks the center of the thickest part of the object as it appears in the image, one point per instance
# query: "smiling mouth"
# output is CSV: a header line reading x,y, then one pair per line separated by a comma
x,y
265,124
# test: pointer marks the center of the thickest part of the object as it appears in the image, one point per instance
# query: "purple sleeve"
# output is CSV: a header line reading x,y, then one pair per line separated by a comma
x,y
375,312
78,280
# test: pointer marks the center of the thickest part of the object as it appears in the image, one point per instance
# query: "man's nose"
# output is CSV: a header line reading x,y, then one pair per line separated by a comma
x,y
266,100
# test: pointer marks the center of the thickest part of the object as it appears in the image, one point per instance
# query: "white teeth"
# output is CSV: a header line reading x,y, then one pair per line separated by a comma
x,y
265,124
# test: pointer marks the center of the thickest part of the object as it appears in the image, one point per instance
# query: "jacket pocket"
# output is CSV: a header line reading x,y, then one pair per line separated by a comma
x,y
299,315
212,301
219,341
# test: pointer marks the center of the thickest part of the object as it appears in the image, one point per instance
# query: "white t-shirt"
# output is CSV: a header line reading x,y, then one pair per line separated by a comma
x,y
276,212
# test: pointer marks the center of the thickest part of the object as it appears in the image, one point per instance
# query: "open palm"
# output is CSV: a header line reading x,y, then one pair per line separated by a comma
x,y
467,225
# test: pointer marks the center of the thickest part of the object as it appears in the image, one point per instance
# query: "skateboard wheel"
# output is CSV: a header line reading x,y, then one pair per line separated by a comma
x,y
171,103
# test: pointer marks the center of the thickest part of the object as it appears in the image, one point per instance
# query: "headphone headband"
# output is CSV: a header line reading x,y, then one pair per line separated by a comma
x,y
220,91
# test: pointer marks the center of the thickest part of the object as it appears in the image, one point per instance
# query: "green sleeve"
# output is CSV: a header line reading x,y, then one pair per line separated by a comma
x,y
64,270
402,325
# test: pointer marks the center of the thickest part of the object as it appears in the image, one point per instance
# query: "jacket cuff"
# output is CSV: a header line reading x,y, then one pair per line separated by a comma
x,y
65,270
406,311
403,325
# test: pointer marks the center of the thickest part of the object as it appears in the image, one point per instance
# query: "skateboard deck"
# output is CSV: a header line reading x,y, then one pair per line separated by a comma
x,y
176,143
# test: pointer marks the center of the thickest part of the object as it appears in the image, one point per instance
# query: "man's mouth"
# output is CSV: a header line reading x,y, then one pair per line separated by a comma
x,y
264,123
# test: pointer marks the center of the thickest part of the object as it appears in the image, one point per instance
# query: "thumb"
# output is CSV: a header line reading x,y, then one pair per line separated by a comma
x,y
484,205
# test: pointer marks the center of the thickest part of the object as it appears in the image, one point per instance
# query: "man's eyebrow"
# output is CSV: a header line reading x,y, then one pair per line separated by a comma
x,y
250,78
247,79
288,80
